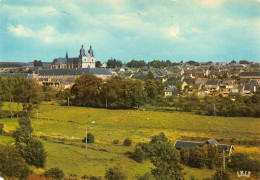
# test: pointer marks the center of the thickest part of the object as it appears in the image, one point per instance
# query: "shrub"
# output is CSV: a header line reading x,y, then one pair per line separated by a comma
x,y
116,141
127,142
94,178
185,153
220,175
239,161
197,157
84,177
1,127
54,173
146,176
115,174
90,138
138,155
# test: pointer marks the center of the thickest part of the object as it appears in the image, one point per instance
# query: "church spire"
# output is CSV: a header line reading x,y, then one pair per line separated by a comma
x,y
67,55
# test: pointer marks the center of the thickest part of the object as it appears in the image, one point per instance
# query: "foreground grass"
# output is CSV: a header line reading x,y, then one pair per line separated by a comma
x,y
68,124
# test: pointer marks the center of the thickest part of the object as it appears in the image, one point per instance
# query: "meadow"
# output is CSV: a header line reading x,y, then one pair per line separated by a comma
x,y
62,128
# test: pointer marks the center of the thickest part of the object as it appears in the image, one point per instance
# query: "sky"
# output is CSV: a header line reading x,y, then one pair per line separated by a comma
x,y
200,30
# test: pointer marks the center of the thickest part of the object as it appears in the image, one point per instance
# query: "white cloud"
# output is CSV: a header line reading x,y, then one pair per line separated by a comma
x,y
210,2
173,32
49,34
21,31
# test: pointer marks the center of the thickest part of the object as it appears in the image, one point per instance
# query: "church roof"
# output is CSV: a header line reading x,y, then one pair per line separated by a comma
x,y
59,60
73,60
79,71
26,75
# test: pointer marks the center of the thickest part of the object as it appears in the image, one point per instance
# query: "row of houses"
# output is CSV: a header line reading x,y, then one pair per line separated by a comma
x,y
201,81
211,86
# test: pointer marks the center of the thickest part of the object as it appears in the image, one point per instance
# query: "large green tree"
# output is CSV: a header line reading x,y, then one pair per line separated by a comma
x,y
86,90
165,158
153,88
123,93
12,165
28,146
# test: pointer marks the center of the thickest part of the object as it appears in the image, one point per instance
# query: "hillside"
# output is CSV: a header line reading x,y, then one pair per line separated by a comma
x,y
62,129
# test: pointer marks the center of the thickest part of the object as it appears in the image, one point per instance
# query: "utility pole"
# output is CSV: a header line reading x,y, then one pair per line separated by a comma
x,y
37,119
106,100
224,160
12,99
86,142
214,109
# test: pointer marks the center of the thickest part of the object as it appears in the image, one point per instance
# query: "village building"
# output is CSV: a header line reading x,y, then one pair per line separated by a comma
x,y
228,149
255,75
171,92
65,78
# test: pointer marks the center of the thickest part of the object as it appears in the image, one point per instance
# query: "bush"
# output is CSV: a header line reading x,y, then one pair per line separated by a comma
x,y
1,127
90,138
220,175
127,142
116,141
12,164
239,161
197,157
138,155
146,176
54,173
115,174
185,153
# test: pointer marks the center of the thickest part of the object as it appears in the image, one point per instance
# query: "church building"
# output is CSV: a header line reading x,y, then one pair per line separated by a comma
x,y
85,60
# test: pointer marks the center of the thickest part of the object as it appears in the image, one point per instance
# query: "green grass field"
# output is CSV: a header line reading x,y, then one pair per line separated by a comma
x,y
66,126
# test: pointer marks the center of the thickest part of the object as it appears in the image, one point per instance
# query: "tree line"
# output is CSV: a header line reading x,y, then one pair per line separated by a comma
x,y
244,106
116,93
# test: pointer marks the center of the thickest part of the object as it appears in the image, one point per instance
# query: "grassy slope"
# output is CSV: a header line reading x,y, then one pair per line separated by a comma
x,y
71,122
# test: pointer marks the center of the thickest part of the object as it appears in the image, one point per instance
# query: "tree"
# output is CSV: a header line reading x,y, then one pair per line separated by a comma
x,y
98,64
213,157
153,88
30,148
86,90
113,63
37,63
194,63
244,62
115,174
197,157
233,62
26,90
136,64
12,164
165,158
121,93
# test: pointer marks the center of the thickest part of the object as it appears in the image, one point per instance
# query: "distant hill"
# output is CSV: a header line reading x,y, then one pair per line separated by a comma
x,y
12,64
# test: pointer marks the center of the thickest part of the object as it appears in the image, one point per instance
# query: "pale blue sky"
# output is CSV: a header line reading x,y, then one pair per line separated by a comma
x,y
201,30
